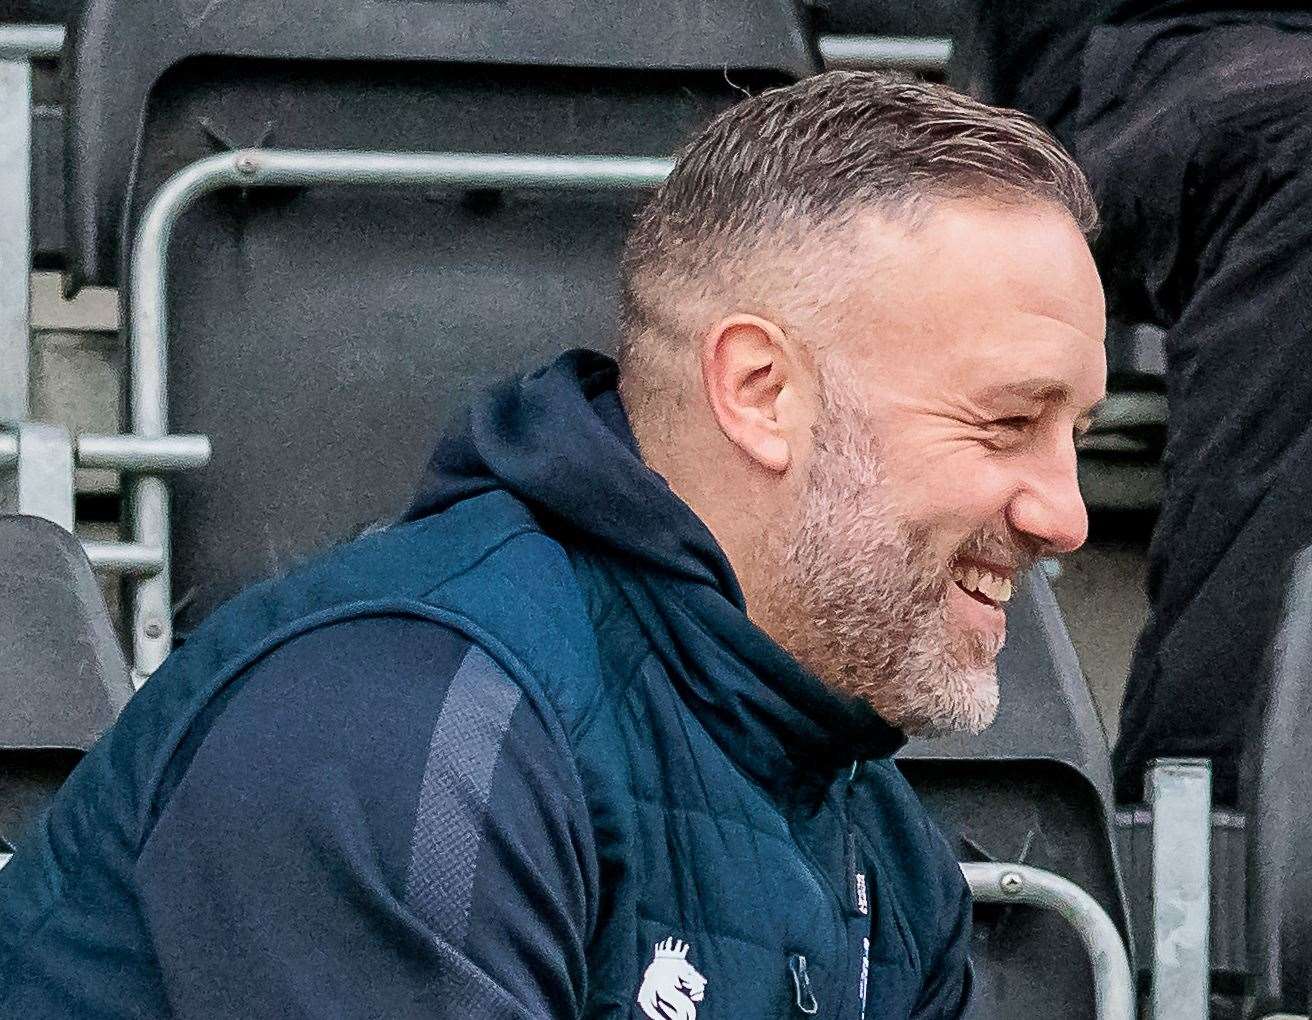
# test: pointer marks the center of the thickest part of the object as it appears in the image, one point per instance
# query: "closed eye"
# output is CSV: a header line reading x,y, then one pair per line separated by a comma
x,y
1012,423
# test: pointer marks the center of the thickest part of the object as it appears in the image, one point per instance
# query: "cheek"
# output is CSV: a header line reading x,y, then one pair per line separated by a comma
x,y
950,502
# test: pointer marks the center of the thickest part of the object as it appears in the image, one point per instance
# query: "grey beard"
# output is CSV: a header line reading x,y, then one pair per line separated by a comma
x,y
859,601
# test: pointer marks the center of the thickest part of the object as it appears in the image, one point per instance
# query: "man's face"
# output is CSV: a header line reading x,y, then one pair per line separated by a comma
x,y
944,460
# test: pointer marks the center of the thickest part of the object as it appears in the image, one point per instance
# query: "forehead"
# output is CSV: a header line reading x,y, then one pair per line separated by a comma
x,y
976,294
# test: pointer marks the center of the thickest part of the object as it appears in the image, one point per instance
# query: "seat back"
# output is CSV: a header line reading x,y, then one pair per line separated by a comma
x,y
122,48
943,18
321,336
1034,788
63,679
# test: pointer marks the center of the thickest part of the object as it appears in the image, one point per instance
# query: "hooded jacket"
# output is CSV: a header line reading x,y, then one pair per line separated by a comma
x,y
521,755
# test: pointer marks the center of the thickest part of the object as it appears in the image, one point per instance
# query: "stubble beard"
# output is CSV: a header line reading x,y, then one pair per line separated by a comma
x,y
861,600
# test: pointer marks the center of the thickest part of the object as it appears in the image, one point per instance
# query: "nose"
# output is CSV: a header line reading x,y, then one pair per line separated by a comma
x,y
1047,504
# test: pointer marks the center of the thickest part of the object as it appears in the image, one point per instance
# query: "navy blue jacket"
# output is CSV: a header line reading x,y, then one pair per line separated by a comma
x,y
521,755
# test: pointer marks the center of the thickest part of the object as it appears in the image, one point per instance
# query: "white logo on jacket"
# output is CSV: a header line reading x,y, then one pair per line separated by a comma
x,y
671,987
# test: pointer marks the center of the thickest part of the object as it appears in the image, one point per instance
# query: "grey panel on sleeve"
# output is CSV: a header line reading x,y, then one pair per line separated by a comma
x,y
462,758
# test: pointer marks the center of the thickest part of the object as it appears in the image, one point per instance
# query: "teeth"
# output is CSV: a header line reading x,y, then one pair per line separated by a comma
x,y
993,587
988,584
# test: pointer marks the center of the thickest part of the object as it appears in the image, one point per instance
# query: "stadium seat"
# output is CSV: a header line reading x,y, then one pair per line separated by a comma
x,y
1035,788
63,679
320,337
941,18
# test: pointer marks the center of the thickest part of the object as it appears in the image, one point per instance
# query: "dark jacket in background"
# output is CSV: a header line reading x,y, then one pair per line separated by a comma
x,y
1191,121
1029,54
520,756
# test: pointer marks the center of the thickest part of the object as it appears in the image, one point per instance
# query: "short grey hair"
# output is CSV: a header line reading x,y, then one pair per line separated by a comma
x,y
769,176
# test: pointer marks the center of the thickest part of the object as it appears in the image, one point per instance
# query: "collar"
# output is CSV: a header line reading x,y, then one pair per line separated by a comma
x,y
779,723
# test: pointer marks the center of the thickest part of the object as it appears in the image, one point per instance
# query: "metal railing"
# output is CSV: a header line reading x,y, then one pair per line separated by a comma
x,y
31,42
45,457
900,53
1180,795
152,632
150,450
1113,984
19,46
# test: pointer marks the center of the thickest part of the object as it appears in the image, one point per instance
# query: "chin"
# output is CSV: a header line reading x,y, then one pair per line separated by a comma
x,y
964,702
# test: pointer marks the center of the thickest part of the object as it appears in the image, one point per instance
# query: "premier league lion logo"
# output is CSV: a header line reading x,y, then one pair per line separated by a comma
x,y
671,988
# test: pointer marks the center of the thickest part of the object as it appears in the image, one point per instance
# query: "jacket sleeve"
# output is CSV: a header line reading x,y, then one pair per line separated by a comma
x,y
375,821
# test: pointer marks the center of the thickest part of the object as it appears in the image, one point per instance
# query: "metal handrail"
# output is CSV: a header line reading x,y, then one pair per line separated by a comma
x,y
912,53
31,42
152,633
1113,984
146,557
131,454
125,452
131,559
1179,791
901,53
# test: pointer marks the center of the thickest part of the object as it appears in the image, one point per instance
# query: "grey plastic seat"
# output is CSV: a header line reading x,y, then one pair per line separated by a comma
x,y
63,679
321,337
1035,788
886,18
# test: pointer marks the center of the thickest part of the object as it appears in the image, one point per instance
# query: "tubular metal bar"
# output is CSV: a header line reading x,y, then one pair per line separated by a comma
x,y
149,499
1113,986
31,42
15,234
126,453
1180,795
873,52
129,558
140,454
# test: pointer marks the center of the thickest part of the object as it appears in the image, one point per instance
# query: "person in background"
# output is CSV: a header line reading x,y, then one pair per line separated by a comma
x,y
1190,119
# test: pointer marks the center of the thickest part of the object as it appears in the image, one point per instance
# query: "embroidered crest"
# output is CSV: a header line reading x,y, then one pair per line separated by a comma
x,y
671,988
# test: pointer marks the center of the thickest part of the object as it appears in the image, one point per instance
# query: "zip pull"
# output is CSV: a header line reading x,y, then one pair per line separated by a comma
x,y
858,895
802,982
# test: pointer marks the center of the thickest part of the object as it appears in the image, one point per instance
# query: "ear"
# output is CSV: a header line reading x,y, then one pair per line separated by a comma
x,y
755,382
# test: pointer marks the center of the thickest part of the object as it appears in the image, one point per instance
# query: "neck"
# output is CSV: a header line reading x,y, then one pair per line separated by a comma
x,y
738,508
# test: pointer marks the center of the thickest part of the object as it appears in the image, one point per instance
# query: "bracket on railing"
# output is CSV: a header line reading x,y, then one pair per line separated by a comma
x,y
43,458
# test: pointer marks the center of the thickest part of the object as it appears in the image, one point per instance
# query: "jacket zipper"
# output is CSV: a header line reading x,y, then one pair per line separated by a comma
x,y
857,896
802,984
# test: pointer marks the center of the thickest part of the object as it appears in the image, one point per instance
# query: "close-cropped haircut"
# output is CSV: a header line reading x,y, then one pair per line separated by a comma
x,y
768,178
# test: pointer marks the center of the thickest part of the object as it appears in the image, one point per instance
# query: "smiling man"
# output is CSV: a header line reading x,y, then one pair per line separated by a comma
x,y
604,727
890,411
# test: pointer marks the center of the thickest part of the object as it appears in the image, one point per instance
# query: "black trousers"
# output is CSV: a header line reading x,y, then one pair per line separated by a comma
x,y
1197,138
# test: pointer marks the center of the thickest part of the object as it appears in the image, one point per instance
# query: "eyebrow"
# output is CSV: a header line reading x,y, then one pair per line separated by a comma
x,y
1043,391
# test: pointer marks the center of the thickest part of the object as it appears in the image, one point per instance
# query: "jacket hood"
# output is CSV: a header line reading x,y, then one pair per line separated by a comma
x,y
559,441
